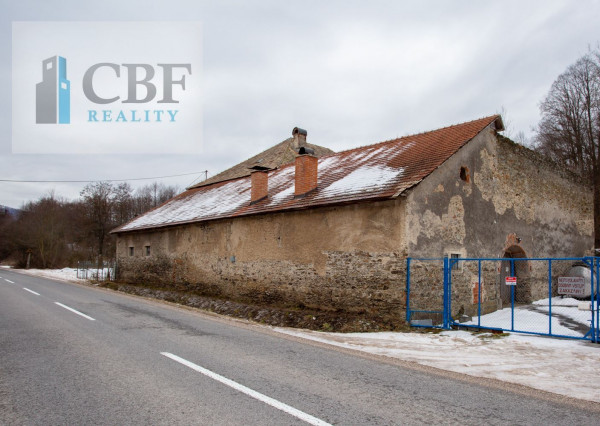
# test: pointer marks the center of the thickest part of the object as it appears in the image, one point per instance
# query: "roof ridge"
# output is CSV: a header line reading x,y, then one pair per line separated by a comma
x,y
495,117
201,183
376,144
256,155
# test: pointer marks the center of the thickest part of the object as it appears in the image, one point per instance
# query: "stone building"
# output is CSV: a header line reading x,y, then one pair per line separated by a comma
x,y
334,232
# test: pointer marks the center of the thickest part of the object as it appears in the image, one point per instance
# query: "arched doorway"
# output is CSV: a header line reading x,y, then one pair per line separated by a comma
x,y
520,270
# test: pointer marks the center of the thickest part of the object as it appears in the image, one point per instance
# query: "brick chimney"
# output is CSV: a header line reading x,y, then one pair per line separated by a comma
x,y
299,137
306,172
259,190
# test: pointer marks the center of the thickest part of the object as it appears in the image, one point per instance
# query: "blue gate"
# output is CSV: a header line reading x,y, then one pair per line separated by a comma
x,y
545,296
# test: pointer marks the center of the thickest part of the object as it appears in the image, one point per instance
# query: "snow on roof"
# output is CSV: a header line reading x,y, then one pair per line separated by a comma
x,y
363,179
214,202
375,172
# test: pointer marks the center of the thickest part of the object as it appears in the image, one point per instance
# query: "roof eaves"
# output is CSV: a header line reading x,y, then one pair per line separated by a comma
x,y
243,212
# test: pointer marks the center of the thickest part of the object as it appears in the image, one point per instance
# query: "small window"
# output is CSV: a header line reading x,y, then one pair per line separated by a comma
x,y
63,85
131,251
464,174
455,265
147,250
49,65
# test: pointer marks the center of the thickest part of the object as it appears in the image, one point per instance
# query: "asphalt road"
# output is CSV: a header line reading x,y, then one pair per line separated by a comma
x,y
72,354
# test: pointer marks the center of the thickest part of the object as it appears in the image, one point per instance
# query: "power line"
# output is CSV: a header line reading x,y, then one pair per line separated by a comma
x,y
103,180
198,179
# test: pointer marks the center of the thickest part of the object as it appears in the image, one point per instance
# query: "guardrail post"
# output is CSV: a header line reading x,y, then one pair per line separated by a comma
x,y
512,297
596,309
479,292
408,290
446,315
550,296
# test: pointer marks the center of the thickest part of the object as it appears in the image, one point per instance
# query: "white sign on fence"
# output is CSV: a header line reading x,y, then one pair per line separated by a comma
x,y
572,286
511,281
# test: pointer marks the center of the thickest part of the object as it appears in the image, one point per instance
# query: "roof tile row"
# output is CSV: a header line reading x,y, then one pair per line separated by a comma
x,y
380,171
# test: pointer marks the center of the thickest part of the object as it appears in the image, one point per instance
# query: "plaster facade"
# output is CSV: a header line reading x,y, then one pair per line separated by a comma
x,y
346,257
496,199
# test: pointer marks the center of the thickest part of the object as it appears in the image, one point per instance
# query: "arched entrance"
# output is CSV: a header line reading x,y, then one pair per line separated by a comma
x,y
520,270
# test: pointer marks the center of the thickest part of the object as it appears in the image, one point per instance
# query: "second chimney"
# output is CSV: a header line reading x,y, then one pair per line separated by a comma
x,y
259,181
306,172
299,137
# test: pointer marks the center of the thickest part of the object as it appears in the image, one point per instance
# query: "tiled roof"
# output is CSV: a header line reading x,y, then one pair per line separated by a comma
x,y
375,172
274,157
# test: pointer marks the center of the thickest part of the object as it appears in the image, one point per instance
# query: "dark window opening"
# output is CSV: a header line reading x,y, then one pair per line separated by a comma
x,y
455,265
147,250
131,251
464,174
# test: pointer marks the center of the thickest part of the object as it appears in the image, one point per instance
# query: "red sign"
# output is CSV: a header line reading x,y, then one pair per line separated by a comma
x,y
511,280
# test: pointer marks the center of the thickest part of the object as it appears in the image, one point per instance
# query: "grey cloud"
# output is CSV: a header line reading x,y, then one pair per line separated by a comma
x,y
352,73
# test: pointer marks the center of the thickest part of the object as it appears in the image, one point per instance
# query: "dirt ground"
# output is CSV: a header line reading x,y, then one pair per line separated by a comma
x,y
280,316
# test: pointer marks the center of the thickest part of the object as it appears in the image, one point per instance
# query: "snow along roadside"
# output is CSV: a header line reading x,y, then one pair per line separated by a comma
x,y
560,366
66,274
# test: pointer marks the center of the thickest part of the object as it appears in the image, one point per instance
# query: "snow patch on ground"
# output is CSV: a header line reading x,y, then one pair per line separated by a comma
x,y
558,301
560,366
567,318
67,274
70,274
525,320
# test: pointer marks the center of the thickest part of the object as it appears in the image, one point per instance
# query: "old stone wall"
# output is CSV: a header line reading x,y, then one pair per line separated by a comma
x,y
339,258
427,288
493,199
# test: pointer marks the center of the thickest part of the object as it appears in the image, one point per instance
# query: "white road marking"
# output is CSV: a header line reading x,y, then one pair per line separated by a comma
x,y
254,394
75,311
12,282
31,291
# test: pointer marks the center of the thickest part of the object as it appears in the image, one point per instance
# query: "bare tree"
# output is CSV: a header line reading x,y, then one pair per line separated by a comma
x,y
7,233
56,232
124,203
99,199
150,196
569,131
42,229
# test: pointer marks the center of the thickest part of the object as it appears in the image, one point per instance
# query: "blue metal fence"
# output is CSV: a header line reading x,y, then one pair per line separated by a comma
x,y
473,292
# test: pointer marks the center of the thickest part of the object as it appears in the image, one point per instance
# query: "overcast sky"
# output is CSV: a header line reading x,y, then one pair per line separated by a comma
x,y
351,73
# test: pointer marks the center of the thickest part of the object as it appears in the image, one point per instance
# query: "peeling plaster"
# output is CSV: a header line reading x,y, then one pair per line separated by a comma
x,y
450,226
585,227
547,199
502,189
467,189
